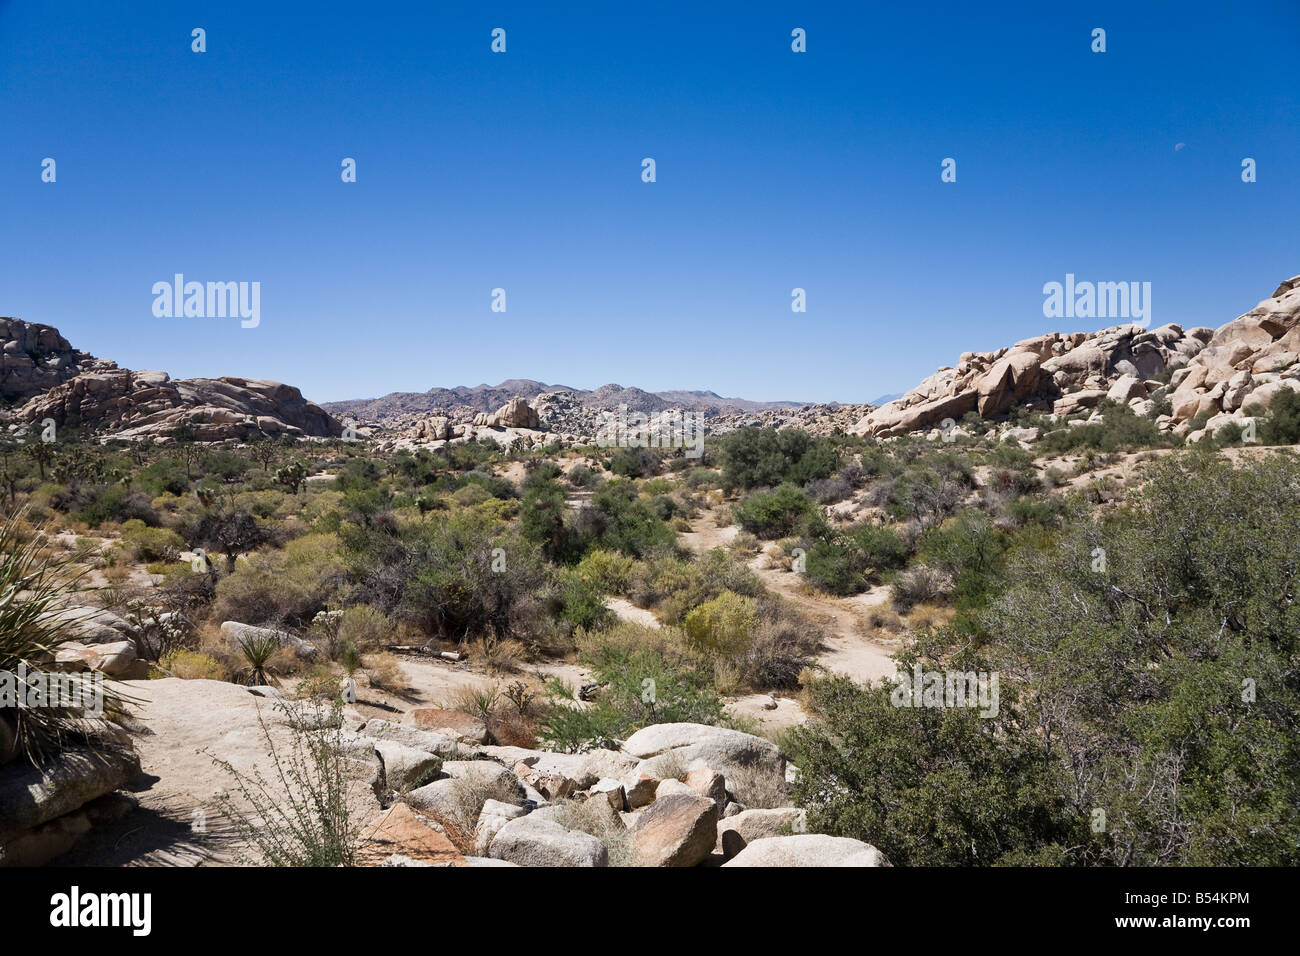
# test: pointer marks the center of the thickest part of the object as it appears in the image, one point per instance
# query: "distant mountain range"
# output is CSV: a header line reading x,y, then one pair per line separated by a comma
x,y
489,398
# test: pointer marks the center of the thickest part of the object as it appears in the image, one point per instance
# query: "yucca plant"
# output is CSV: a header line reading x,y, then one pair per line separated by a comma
x,y
34,625
257,650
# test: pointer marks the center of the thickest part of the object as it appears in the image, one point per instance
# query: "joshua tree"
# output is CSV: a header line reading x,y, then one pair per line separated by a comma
x,y
293,476
232,533
42,453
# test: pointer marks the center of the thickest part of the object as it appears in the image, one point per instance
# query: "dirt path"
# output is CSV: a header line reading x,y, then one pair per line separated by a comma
x,y
849,648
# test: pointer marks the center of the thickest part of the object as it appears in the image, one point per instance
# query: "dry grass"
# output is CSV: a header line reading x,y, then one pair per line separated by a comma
x,y
191,665
497,655
925,616
762,790
385,672
585,817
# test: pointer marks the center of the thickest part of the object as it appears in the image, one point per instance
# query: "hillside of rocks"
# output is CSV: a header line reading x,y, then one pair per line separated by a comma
x,y
401,410
53,381
36,357
1210,378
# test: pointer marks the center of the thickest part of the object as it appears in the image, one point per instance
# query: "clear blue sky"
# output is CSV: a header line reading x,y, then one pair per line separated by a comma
x,y
523,171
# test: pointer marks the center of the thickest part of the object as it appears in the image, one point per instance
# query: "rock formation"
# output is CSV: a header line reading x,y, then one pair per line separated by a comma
x,y
36,357
1224,374
77,390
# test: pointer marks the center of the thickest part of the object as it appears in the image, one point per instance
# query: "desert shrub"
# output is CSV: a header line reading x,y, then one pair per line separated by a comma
x,y
723,626
675,585
646,675
1281,425
287,586
635,463
767,457
827,491
300,816
114,503
582,604
542,519
697,478
366,627
580,476
883,548
497,655
917,585
151,544
607,571
773,514
34,585
618,519
453,576
470,495
927,786
1120,430
385,672
782,646
836,566
967,550
190,665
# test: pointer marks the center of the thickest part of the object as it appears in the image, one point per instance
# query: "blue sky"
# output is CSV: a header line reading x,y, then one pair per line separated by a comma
x,y
522,171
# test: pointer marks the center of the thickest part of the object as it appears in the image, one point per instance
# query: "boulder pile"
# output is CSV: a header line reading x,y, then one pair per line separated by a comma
x,y
1211,378
671,795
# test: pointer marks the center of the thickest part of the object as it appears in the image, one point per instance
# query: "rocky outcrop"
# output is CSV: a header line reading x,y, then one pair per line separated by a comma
x,y
516,413
1060,373
47,809
152,405
1214,377
75,389
35,358
1243,365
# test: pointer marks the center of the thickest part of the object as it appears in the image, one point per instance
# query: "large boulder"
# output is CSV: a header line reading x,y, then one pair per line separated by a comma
x,y
679,829
400,830
406,767
809,849
537,841
494,815
753,767
33,799
751,825
434,743
452,723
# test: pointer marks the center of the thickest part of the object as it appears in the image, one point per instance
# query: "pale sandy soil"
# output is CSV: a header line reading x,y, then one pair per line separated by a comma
x,y
627,611
851,647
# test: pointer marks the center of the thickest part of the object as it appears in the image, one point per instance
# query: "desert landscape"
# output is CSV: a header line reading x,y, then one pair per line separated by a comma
x,y
461,629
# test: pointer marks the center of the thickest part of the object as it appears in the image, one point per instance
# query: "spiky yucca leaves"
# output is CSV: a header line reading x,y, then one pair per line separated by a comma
x,y
34,590
257,651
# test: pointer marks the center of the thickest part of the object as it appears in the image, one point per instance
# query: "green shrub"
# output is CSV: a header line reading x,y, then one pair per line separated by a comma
x,y
151,544
723,627
773,514
766,457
